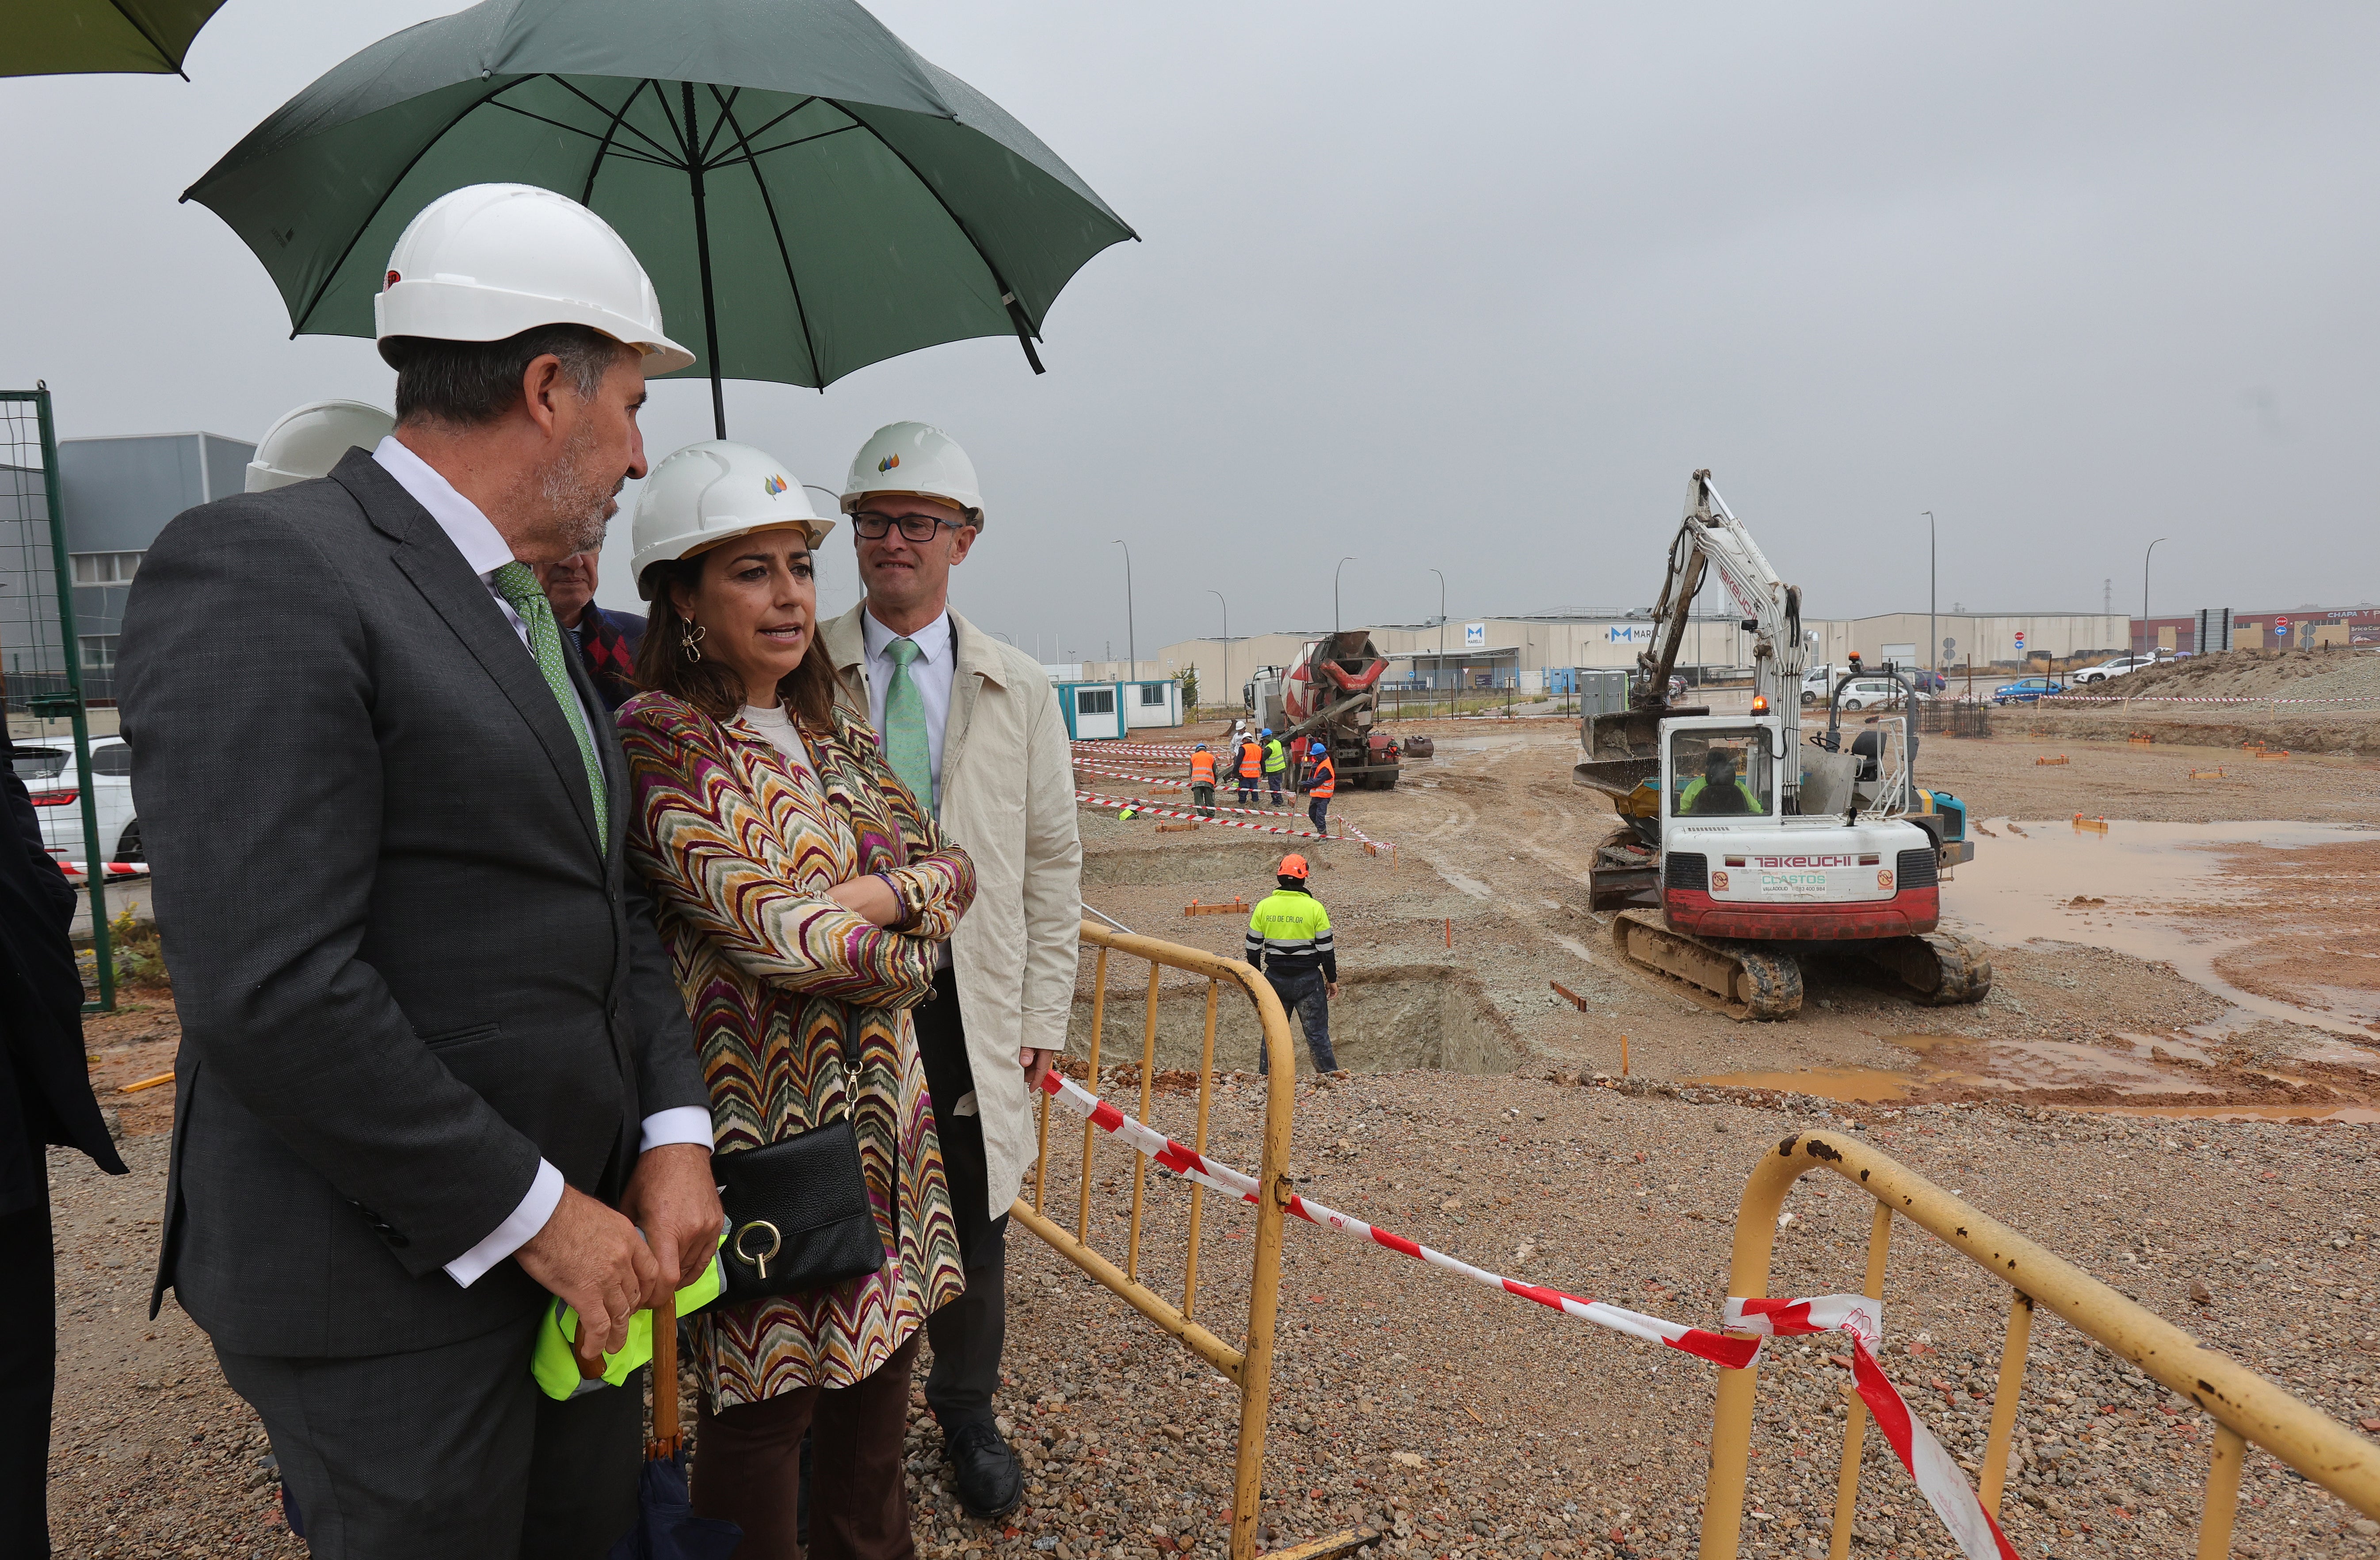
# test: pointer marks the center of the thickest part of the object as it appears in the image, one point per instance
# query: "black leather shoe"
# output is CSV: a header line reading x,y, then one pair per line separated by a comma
x,y
989,1480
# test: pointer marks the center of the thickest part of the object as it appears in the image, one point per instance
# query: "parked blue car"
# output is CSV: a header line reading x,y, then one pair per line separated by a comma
x,y
2024,691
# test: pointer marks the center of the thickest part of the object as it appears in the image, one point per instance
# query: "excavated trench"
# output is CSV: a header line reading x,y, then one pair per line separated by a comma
x,y
1250,864
1383,1020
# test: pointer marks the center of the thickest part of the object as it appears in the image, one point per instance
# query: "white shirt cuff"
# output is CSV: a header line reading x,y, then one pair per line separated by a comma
x,y
681,1124
544,1195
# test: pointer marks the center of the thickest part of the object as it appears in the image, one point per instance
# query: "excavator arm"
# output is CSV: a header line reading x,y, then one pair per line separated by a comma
x,y
1711,537
1623,750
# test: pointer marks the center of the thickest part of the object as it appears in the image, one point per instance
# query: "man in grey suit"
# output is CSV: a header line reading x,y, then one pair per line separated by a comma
x,y
435,1070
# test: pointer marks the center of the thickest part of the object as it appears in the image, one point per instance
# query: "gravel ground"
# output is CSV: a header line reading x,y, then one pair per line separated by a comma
x,y
1459,1419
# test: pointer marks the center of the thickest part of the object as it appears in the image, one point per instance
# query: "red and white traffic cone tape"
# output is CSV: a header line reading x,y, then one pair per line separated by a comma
x,y
1857,1316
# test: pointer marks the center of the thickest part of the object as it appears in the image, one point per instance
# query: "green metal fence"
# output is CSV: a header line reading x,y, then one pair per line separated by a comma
x,y
41,677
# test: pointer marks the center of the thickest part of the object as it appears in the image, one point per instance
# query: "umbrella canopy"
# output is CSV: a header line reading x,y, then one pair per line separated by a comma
x,y
808,195
78,37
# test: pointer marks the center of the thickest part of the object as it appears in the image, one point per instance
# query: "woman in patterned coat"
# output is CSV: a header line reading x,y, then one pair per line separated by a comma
x,y
801,890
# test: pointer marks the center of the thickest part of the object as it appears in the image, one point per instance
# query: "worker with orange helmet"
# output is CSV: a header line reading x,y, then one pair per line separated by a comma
x,y
1202,780
1289,939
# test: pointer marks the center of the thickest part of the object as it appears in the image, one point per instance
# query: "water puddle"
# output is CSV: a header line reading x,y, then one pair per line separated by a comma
x,y
2125,888
2358,1115
2144,1076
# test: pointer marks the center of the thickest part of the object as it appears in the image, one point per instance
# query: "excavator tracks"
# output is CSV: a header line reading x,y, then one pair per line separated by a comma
x,y
1741,980
1940,969
1748,982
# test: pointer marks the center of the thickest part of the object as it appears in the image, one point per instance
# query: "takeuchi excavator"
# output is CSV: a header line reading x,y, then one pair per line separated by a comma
x,y
1743,848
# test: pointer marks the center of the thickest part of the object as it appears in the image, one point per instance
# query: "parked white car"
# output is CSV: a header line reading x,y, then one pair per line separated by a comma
x,y
48,769
1877,693
2115,669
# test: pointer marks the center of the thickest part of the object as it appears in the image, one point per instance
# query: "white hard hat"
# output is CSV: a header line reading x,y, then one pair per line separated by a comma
x,y
309,441
490,261
913,457
711,492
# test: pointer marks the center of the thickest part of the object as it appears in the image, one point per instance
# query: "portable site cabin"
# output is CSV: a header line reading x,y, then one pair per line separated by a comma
x,y
1152,703
1093,711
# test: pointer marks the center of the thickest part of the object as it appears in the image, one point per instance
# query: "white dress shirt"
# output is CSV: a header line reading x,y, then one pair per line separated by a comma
x,y
485,551
932,672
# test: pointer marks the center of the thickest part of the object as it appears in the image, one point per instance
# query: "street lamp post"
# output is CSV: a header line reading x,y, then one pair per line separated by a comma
x,y
1131,644
2144,593
1334,595
1933,644
1226,640
1442,629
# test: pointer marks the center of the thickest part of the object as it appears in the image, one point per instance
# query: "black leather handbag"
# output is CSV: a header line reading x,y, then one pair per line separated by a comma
x,y
797,1214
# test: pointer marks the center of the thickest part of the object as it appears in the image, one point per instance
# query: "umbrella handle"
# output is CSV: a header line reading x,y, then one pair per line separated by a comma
x,y
667,1438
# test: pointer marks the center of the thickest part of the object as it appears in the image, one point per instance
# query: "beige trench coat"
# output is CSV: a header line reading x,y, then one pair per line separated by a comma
x,y
1008,801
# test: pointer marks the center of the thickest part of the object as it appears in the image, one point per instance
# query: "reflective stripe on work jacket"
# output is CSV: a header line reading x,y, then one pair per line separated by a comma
x,y
1276,757
1292,930
1326,780
1251,760
1202,769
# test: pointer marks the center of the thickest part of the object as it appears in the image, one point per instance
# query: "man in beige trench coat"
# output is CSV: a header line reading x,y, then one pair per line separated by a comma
x,y
971,724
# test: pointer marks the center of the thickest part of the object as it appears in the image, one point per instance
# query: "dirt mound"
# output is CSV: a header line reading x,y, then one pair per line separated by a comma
x,y
2256,673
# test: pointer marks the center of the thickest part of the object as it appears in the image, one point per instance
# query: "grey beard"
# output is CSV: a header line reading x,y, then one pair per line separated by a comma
x,y
579,502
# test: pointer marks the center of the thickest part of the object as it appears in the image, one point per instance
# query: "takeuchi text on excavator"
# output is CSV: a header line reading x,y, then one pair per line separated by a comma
x,y
1743,848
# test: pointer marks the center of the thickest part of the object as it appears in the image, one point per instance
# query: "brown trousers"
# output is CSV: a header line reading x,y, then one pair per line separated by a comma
x,y
748,1467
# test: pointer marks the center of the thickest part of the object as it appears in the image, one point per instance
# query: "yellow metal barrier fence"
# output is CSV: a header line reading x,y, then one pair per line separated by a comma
x,y
1248,1368
2244,1406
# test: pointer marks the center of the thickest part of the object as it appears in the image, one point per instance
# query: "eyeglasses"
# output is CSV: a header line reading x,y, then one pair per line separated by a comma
x,y
874,525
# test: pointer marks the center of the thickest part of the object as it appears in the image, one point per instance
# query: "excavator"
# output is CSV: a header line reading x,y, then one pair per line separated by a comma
x,y
1742,848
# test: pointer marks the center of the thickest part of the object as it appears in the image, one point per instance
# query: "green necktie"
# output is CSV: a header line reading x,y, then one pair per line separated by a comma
x,y
905,747
518,586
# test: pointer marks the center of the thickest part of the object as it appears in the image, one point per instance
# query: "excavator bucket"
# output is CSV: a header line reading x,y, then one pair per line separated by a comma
x,y
1623,750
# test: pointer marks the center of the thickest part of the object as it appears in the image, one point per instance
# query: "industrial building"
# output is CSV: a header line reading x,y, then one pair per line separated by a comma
x,y
2302,628
1520,652
117,493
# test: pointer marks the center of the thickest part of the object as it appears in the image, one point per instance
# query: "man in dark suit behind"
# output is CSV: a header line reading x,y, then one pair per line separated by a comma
x,y
44,1098
433,1068
606,640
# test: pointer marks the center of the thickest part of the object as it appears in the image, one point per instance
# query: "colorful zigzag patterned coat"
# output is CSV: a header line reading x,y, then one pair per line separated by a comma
x,y
801,1007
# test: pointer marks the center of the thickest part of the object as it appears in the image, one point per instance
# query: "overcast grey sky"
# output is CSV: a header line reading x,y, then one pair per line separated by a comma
x,y
1476,287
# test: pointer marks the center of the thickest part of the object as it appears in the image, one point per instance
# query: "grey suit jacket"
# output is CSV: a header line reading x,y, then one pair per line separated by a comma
x,y
405,969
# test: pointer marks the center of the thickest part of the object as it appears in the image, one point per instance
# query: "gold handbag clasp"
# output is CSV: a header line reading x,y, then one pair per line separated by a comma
x,y
759,1260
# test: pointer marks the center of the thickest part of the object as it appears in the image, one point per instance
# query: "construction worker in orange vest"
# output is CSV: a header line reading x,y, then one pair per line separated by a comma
x,y
1202,781
1250,771
1321,782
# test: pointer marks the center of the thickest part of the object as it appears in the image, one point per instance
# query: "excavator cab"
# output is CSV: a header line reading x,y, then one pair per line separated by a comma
x,y
1719,769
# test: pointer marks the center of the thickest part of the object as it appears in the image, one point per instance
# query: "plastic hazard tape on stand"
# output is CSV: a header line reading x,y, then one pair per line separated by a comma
x,y
1936,1474
1857,1316
1088,799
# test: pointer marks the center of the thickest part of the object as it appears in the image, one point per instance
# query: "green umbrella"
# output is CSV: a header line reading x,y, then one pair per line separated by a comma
x,y
76,37
793,177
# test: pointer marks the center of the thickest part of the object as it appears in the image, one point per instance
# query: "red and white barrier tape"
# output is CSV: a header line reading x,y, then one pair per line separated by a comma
x,y
2184,698
1222,781
1932,1469
1220,788
1858,1317
109,870
1134,749
1091,800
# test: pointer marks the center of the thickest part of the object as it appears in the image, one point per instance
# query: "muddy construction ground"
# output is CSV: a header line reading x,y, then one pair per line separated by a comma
x,y
2167,1086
